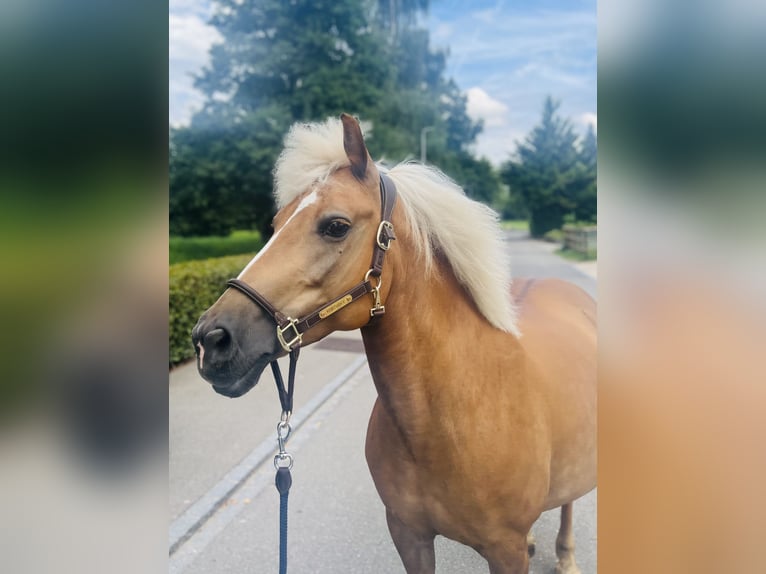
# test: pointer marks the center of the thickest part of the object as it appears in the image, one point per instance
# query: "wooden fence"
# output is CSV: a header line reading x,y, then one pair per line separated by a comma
x,y
580,239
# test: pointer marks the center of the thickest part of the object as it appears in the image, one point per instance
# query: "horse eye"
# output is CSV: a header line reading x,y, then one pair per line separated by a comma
x,y
336,229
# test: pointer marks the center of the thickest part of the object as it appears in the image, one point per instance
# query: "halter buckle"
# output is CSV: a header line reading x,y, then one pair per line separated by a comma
x,y
297,338
385,235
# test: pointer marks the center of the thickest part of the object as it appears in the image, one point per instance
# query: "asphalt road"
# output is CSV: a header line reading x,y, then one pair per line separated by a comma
x,y
224,507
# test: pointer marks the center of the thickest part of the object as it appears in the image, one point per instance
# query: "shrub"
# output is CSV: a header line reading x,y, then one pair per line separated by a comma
x,y
194,286
545,219
554,236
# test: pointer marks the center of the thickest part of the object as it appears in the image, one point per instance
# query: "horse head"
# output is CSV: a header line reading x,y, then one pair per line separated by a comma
x,y
324,237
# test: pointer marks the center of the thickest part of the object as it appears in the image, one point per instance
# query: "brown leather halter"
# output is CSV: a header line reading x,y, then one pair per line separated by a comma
x,y
290,331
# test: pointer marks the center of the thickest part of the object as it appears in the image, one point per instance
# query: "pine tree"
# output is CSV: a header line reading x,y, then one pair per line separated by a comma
x,y
586,197
545,171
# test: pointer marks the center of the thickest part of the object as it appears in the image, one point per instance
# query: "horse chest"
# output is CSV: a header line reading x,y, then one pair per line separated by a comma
x,y
456,491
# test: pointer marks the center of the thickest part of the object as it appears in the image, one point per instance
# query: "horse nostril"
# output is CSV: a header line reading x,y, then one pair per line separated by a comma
x,y
217,338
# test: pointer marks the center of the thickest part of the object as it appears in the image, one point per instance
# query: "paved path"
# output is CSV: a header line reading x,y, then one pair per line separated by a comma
x,y
223,504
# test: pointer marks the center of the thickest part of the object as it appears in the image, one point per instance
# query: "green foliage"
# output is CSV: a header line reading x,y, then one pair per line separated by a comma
x,y
511,206
282,62
585,191
195,286
316,59
476,176
399,14
573,255
545,218
193,248
515,224
552,175
554,236
220,173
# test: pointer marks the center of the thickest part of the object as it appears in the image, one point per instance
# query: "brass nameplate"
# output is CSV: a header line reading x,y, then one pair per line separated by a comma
x,y
333,307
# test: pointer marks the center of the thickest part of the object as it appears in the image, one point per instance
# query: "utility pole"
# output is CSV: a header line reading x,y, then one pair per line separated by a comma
x,y
423,142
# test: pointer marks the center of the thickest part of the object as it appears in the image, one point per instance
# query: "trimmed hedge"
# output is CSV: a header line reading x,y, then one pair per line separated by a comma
x,y
194,286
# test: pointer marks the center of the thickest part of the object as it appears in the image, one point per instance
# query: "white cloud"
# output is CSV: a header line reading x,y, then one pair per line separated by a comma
x,y
514,56
483,106
190,39
442,32
497,144
588,119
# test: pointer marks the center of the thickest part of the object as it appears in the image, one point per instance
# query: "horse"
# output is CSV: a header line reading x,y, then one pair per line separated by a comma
x,y
486,389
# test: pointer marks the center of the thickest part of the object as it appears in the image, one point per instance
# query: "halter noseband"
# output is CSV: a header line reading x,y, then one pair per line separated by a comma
x,y
290,331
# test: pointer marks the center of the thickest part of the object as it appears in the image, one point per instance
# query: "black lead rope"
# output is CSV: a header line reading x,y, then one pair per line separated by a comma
x,y
283,482
283,461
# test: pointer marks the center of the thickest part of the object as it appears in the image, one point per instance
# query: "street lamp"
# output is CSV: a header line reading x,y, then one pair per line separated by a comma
x,y
423,142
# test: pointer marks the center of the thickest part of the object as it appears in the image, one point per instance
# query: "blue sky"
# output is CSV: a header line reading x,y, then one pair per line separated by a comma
x,y
506,56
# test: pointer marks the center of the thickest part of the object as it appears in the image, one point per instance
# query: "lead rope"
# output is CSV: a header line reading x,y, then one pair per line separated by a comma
x,y
283,461
283,481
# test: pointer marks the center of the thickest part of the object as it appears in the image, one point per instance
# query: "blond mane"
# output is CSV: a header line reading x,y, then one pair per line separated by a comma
x,y
442,219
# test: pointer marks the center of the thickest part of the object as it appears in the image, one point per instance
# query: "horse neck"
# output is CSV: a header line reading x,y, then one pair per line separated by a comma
x,y
420,353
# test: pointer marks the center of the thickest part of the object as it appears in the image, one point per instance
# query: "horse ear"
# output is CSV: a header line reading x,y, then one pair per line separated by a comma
x,y
353,143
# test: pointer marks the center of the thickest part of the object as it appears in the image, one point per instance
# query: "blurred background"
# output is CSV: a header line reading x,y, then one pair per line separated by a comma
x,y
682,192
83,286
496,95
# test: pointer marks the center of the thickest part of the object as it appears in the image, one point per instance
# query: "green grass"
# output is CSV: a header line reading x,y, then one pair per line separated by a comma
x,y
195,248
515,224
576,255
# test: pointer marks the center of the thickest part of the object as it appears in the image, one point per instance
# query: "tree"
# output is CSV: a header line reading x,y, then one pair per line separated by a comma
x,y
397,14
317,59
478,178
220,173
510,205
546,171
586,188
282,62
279,62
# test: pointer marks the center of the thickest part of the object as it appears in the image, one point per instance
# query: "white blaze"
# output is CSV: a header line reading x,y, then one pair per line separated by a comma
x,y
308,200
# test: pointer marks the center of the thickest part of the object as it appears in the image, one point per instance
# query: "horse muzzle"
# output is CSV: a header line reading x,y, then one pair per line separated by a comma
x,y
240,386
230,356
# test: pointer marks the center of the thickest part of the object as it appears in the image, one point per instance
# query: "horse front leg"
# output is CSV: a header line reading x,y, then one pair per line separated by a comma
x,y
415,549
565,543
510,557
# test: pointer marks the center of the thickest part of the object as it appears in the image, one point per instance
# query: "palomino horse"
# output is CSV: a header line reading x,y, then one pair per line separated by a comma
x,y
486,408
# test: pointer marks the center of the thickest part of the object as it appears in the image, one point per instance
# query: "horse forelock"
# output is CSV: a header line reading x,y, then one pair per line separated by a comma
x,y
311,154
442,219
